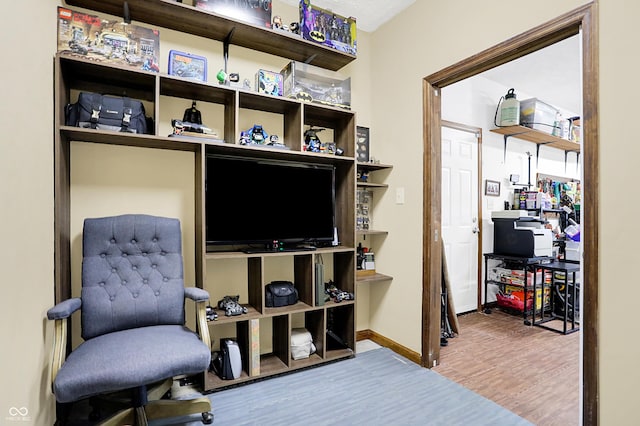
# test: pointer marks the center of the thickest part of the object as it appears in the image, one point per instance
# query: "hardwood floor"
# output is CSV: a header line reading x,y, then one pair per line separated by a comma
x,y
533,372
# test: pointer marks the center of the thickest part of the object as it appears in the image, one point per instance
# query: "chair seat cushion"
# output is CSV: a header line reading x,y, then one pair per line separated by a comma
x,y
130,358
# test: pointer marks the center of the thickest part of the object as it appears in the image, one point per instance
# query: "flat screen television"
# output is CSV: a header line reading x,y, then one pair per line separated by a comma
x,y
268,203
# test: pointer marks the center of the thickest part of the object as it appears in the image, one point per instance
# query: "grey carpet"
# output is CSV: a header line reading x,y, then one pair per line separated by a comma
x,y
377,387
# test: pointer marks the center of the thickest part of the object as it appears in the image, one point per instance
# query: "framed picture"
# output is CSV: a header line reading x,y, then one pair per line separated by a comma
x,y
362,144
492,188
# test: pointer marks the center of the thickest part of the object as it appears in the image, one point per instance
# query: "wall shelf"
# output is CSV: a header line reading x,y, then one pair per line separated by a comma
x,y
371,232
373,278
373,166
372,185
374,181
188,19
538,137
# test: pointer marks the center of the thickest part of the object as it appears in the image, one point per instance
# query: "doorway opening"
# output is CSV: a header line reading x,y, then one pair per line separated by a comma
x,y
583,22
462,214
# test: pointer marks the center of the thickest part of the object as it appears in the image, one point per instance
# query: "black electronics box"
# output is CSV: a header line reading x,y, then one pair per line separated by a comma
x,y
256,12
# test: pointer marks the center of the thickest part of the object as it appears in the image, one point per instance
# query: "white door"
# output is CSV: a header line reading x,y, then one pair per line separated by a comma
x,y
460,215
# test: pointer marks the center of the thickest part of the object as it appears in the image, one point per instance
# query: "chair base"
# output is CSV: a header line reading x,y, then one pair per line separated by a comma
x,y
161,409
119,404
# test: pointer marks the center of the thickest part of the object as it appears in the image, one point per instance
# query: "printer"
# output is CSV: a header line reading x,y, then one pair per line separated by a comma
x,y
515,233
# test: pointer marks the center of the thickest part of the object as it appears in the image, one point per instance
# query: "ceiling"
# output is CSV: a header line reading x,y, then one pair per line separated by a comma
x,y
552,74
369,14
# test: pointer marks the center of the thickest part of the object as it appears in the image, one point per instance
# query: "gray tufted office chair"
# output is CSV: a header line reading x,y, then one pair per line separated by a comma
x,y
133,320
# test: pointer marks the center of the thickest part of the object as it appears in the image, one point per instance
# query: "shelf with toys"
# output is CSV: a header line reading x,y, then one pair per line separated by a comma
x,y
191,20
219,119
165,98
368,183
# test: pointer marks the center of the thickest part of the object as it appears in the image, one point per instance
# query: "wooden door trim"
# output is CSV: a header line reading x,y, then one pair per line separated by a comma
x,y
477,131
583,21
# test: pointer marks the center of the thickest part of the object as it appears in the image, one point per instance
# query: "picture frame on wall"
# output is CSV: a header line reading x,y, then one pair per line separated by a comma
x,y
362,144
492,188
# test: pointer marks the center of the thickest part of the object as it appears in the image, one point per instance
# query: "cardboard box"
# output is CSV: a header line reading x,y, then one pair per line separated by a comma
x,y
107,41
313,84
269,82
257,12
327,28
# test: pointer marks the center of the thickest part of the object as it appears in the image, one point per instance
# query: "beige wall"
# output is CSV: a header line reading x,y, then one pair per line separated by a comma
x,y
427,37
433,35
619,153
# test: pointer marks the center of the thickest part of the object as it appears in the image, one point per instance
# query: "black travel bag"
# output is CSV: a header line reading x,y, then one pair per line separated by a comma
x,y
280,293
104,112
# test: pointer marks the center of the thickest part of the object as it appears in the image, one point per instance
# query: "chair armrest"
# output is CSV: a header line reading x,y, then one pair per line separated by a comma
x,y
196,294
201,297
60,313
64,309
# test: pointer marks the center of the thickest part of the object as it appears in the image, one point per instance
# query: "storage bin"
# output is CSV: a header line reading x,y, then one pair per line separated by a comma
x,y
538,115
572,250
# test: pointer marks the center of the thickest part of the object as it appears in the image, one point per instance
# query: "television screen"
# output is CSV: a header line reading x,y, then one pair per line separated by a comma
x,y
259,201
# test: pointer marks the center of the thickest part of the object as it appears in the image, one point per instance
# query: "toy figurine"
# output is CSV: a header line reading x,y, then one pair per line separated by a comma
x,y
277,22
192,115
311,140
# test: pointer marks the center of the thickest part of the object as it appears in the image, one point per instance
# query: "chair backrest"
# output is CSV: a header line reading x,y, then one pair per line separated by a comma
x,y
132,273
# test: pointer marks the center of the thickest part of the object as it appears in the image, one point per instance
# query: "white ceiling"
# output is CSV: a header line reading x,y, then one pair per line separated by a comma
x,y
369,14
552,74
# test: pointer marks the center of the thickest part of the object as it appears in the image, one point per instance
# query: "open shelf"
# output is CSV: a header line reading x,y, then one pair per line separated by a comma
x,y
371,232
377,277
188,19
373,166
372,185
538,137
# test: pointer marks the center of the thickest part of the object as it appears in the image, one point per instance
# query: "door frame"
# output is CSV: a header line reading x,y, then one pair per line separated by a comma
x,y
477,131
584,21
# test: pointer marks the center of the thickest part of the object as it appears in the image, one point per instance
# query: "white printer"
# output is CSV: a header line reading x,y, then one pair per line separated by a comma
x,y
515,233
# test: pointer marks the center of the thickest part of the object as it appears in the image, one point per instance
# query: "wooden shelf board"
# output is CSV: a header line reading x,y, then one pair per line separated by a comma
x,y
241,255
374,278
537,137
271,364
371,185
128,139
373,166
187,19
252,313
313,359
184,88
372,232
339,353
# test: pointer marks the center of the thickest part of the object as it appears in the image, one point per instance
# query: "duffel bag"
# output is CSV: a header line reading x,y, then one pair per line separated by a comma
x,y
280,293
104,112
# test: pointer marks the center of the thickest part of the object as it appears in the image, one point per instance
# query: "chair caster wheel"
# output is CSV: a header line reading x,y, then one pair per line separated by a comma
x,y
207,418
